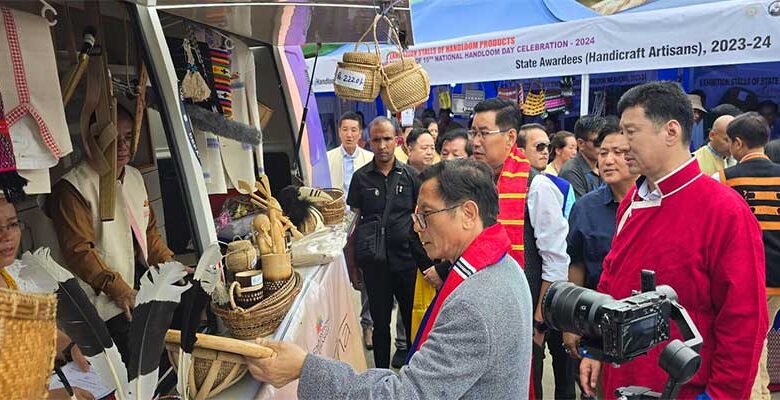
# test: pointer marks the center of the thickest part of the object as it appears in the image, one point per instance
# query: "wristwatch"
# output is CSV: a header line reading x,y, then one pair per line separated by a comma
x,y
540,326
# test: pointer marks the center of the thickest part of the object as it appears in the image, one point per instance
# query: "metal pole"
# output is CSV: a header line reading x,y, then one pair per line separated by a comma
x,y
584,94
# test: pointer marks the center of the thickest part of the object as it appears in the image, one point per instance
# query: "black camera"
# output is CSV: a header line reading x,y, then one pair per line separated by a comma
x,y
617,331
612,330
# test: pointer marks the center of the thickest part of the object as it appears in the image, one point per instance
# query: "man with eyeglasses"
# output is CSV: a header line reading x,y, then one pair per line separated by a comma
x,y
593,219
581,171
549,201
493,133
475,342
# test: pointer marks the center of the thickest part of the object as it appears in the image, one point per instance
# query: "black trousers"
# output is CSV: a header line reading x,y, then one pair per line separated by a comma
x,y
382,285
564,367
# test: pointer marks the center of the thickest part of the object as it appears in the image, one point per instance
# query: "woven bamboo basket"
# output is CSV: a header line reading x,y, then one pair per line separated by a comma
x,y
405,84
357,76
334,210
217,362
28,336
263,318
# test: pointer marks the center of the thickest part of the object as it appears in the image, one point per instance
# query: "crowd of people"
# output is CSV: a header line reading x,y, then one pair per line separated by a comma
x,y
594,207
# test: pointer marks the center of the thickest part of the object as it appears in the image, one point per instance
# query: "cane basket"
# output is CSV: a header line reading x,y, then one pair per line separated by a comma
x,y
263,318
217,362
28,336
405,84
333,211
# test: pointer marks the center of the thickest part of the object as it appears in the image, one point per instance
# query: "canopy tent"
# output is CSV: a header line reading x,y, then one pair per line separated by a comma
x,y
655,35
430,17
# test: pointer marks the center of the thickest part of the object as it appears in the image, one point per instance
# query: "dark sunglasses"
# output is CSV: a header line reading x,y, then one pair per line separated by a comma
x,y
542,147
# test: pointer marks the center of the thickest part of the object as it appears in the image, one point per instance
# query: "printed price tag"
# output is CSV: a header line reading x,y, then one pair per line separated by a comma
x,y
350,79
257,280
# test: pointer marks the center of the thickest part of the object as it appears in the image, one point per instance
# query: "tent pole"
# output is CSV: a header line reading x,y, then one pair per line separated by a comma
x,y
584,94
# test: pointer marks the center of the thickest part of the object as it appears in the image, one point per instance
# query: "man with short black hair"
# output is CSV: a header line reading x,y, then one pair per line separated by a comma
x,y
716,268
755,178
494,132
343,162
592,220
475,342
383,194
422,149
549,201
454,144
724,109
581,171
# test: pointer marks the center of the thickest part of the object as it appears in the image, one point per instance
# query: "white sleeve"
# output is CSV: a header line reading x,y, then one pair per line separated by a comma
x,y
545,210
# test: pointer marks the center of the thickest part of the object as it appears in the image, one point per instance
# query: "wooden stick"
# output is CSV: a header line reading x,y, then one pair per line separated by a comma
x,y
246,349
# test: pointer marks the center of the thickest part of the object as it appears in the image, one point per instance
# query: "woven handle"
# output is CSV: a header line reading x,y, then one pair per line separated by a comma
x,y
370,29
231,295
397,43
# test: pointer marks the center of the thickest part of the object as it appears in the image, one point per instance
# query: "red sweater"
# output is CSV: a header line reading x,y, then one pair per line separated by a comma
x,y
702,240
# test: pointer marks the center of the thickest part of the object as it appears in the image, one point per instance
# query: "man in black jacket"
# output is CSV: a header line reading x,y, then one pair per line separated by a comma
x,y
383,193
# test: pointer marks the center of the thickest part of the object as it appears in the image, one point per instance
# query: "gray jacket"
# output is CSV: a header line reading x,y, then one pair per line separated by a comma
x,y
479,348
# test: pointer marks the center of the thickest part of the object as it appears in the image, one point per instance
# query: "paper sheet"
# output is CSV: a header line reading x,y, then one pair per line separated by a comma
x,y
88,381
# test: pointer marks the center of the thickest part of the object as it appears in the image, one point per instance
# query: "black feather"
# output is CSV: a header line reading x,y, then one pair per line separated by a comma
x,y
147,336
194,301
79,319
294,208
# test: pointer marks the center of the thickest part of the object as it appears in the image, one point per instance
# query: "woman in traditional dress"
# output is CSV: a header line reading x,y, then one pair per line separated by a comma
x,y
10,238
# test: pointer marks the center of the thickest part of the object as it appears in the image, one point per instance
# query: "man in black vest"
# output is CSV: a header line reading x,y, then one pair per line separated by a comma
x,y
758,180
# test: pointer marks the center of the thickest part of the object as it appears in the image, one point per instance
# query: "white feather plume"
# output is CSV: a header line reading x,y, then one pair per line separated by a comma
x,y
43,270
47,274
207,271
313,195
159,283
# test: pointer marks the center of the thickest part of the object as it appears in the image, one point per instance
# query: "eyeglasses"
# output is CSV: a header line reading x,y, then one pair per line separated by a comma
x,y
13,227
480,134
540,147
419,218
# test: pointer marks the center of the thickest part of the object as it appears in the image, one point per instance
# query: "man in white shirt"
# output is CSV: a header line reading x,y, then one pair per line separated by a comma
x,y
349,157
344,161
549,201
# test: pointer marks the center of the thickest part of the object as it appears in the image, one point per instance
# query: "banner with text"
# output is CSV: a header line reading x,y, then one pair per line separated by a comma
x,y
729,32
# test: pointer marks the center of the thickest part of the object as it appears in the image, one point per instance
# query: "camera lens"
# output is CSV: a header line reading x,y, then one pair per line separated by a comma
x,y
571,308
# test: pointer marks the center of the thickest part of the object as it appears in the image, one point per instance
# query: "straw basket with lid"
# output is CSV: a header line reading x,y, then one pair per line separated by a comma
x,y
405,84
28,336
357,76
218,362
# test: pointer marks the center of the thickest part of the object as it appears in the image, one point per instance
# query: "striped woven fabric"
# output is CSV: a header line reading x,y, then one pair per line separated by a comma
x,y
512,189
220,66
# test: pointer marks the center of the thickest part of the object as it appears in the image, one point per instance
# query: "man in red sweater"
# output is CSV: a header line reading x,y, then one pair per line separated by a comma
x,y
699,237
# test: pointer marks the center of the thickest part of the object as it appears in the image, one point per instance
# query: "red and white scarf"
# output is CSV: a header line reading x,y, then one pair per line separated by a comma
x,y
487,249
